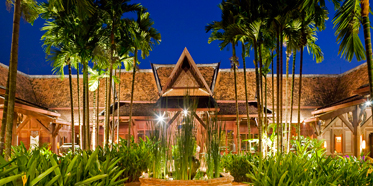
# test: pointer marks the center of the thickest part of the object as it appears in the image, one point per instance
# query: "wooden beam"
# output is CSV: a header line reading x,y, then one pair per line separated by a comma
x,y
315,128
56,129
348,124
180,109
331,123
336,113
24,122
173,119
200,120
43,126
366,121
344,105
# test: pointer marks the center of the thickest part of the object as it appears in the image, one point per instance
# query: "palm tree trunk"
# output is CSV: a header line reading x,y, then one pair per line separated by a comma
x,y
108,101
368,44
97,112
292,96
260,101
265,112
246,99
281,94
288,54
72,111
131,104
278,91
118,97
80,126
234,59
113,114
303,40
3,124
106,125
273,95
257,92
94,142
86,107
12,78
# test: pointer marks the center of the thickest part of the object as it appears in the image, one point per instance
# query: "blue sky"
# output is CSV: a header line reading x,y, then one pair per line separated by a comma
x,y
181,24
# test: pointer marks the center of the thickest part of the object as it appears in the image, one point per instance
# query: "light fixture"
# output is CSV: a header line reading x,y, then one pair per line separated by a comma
x,y
160,118
363,144
368,103
325,144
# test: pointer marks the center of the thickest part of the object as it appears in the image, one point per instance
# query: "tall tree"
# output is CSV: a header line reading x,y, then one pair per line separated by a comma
x,y
347,22
143,37
220,31
29,10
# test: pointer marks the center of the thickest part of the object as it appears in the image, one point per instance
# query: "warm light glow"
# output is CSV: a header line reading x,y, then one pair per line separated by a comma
x,y
166,176
161,118
368,103
224,170
325,144
229,173
339,139
206,176
363,144
143,173
185,112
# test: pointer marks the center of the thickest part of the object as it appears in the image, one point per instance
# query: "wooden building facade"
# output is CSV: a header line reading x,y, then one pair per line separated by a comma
x,y
161,90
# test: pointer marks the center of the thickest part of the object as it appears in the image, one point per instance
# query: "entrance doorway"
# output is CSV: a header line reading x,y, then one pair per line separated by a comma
x,y
338,144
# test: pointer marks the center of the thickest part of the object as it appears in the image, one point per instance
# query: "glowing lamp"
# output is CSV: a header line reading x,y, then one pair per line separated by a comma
x,y
368,103
185,112
325,144
160,118
363,144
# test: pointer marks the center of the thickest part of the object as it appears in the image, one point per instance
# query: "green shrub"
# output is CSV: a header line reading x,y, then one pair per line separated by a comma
x,y
238,165
42,167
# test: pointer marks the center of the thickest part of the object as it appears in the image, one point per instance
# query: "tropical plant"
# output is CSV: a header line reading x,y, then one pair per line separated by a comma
x,y
238,165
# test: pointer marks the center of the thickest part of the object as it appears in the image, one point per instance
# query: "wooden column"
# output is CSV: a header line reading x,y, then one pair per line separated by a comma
x,y
52,128
357,133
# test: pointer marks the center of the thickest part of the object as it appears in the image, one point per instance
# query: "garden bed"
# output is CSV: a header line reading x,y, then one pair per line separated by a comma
x,y
225,180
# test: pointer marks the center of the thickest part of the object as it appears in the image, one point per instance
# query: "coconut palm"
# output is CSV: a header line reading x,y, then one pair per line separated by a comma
x,y
29,11
347,22
143,37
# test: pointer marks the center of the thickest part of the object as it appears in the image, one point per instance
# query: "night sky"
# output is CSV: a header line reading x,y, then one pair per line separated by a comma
x,y
181,24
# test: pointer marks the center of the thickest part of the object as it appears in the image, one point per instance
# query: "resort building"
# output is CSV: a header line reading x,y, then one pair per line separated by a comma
x,y
333,107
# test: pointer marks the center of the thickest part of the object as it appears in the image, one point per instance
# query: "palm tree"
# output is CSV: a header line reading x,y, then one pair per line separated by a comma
x,y
144,37
29,10
347,22
112,12
312,13
220,32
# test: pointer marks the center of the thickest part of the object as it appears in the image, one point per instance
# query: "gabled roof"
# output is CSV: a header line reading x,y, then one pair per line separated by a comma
x,y
185,75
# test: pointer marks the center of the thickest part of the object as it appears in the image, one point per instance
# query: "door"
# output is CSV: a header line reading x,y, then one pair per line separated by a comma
x,y
338,144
